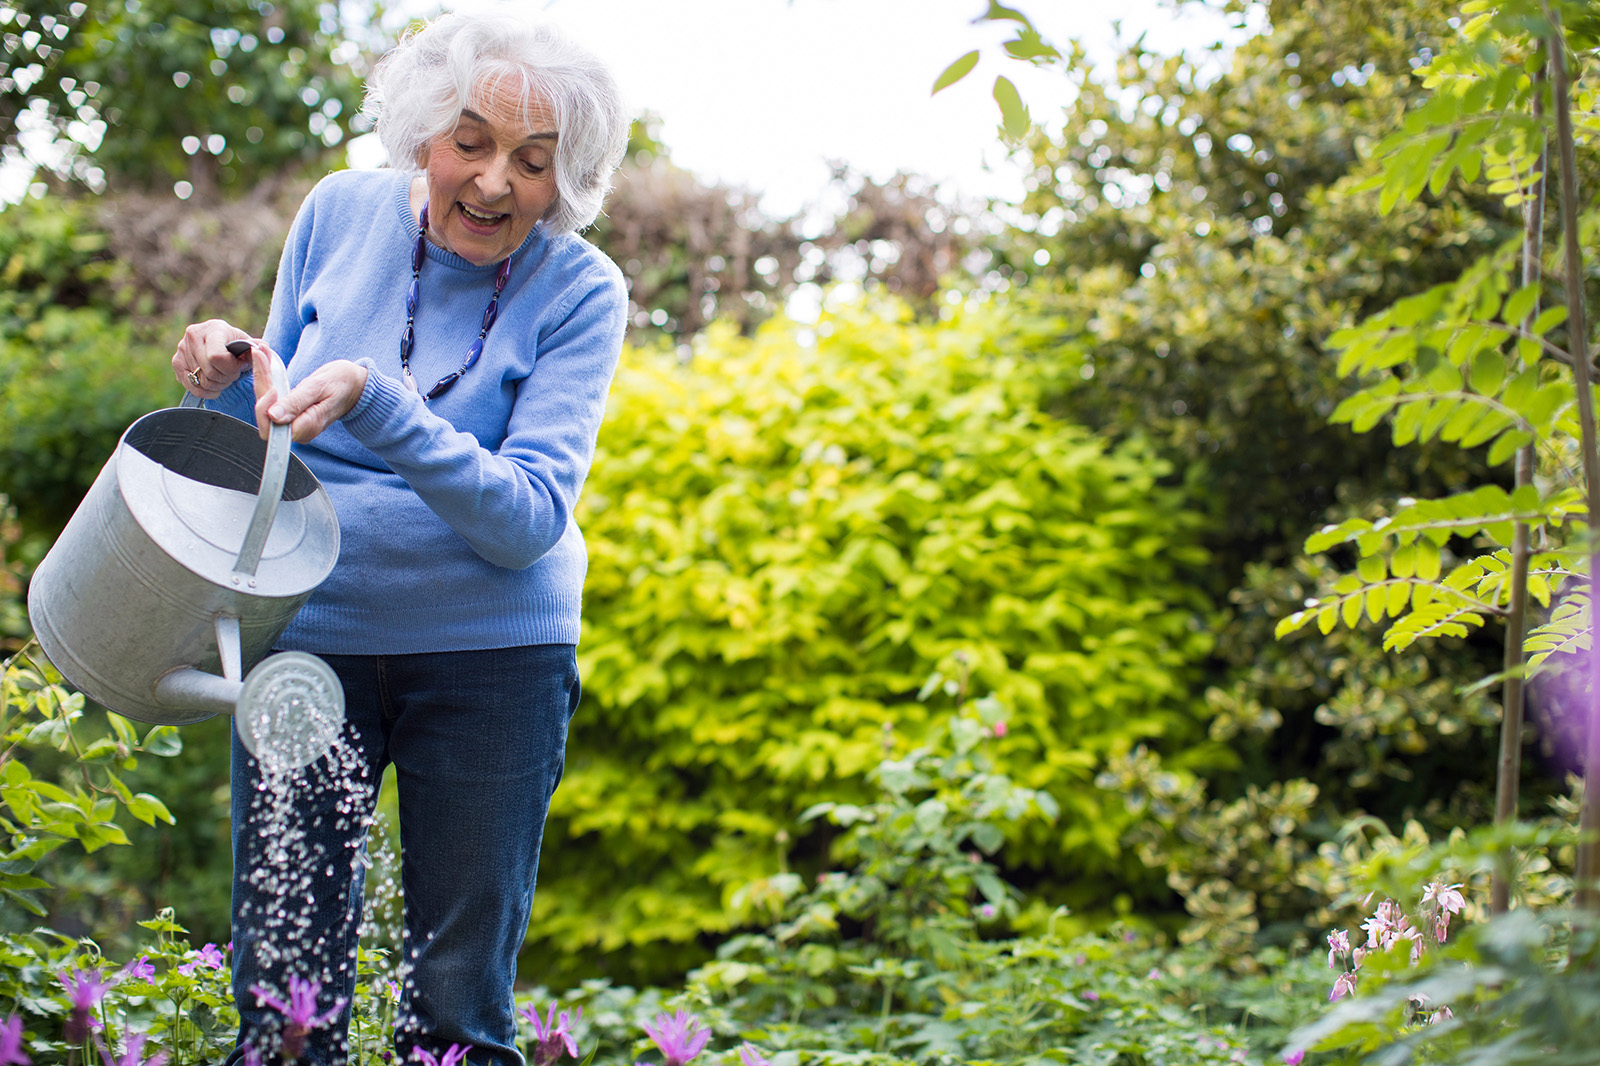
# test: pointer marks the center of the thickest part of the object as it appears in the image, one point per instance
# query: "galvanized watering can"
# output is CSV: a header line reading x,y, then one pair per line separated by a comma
x,y
192,552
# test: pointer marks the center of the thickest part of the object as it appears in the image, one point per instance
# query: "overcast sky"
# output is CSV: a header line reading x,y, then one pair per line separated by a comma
x,y
763,93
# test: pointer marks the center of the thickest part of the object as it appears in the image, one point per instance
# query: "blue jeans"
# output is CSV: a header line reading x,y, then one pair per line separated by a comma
x,y
478,742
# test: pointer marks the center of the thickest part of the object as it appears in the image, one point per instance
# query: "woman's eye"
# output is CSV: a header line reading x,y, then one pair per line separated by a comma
x,y
465,147
532,167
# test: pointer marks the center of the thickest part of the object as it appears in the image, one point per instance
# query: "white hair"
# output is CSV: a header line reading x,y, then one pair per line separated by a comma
x,y
418,90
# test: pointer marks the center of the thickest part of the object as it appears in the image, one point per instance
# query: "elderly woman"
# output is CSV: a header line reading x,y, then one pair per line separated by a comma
x,y
450,342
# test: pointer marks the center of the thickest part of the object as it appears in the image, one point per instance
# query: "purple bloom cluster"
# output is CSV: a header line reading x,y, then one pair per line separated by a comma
x,y
209,957
300,1013
679,1037
11,1053
85,988
551,1038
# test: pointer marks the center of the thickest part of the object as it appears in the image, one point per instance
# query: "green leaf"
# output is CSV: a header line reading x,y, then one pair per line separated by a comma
x,y
148,808
124,730
1350,610
956,71
1507,446
1549,319
1013,113
1519,304
1428,560
163,740
1488,372
993,889
997,12
1029,45
1407,422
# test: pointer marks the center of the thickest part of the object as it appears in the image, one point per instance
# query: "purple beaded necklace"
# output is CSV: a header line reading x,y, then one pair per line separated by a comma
x,y
409,337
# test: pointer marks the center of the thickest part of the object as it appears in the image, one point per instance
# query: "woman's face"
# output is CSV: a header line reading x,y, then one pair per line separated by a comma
x,y
491,178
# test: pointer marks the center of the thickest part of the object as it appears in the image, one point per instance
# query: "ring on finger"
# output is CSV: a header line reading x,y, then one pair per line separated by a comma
x,y
194,377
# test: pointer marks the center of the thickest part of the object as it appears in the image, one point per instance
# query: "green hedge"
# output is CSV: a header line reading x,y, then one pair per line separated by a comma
x,y
789,536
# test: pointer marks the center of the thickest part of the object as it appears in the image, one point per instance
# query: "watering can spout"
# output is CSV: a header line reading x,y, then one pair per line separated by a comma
x,y
289,710
188,689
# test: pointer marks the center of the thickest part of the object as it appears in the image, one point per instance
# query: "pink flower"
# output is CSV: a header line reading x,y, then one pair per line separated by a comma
x,y
1000,729
1294,1058
988,911
1380,930
1446,900
453,1057
140,969
1344,986
133,1056
679,1037
1448,897
1091,995
1338,947
208,956
549,1037
751,1055
300,1013
11,1053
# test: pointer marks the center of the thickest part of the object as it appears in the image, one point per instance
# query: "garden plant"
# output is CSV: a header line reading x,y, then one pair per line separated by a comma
x,y
933,710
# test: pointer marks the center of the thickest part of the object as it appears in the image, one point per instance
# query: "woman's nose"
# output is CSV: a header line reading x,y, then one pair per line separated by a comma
x,y
494,181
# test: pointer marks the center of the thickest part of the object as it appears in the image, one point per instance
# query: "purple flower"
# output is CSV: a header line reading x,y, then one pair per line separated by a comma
x,y
751,1055
300,1013
87,988
1091,995
208,956
11,1053
550,1038
133,1056
1294,1058
140,969
1344,986
679,1037
988,911
454,1057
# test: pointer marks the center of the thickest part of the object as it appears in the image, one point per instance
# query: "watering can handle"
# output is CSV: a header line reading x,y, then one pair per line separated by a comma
x,y
274,472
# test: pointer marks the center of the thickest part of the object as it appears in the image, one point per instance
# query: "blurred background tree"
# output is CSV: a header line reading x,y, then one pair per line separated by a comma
x,y
141,94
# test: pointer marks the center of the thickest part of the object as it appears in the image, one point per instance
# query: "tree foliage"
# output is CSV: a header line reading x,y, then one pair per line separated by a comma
x,y
145,93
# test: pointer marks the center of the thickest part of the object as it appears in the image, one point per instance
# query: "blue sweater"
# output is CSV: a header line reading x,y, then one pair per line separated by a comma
x,y
455,515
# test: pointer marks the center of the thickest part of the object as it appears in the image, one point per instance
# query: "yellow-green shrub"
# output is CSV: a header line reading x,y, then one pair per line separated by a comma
x,y
788,535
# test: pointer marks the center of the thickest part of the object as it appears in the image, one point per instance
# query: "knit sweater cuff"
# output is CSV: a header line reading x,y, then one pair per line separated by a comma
x,y
379,399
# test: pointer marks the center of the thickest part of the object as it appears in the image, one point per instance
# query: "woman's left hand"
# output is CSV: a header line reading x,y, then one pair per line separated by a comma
x,y
311,406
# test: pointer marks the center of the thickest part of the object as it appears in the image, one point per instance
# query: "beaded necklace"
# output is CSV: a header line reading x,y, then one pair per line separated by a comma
x,y
409,336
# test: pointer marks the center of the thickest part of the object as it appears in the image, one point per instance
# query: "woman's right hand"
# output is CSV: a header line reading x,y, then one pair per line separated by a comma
x,y
202,364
